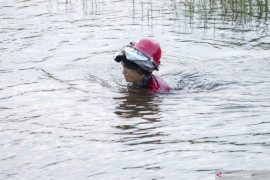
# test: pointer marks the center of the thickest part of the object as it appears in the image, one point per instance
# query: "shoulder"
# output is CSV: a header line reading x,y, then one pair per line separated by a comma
x,y
157,83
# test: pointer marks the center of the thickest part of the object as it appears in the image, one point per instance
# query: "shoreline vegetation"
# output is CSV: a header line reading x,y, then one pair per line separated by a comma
x,y
239,11
256,8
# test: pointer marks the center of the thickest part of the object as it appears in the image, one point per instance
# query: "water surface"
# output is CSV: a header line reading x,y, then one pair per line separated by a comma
x,y
66,113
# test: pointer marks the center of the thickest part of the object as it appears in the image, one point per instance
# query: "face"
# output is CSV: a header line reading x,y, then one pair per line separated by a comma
x,y
131,75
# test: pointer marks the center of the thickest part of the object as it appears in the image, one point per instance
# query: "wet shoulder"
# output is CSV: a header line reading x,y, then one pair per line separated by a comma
x,y
159,84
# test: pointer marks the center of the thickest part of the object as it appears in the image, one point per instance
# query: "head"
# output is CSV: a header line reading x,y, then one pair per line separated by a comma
x,y
132,72
139,58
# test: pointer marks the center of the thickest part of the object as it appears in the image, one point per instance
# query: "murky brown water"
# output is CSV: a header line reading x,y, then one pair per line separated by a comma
x,y
66,113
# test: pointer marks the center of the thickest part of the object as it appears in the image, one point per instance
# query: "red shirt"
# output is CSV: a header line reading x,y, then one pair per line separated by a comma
x,y
156,83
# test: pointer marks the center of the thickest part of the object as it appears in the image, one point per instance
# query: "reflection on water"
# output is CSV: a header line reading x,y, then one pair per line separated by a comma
x,y
138,103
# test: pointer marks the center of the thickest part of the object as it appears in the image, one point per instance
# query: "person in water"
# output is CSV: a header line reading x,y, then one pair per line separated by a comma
x,y
139,59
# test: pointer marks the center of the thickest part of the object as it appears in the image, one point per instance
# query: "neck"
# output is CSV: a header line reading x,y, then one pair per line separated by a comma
x,y
140,79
